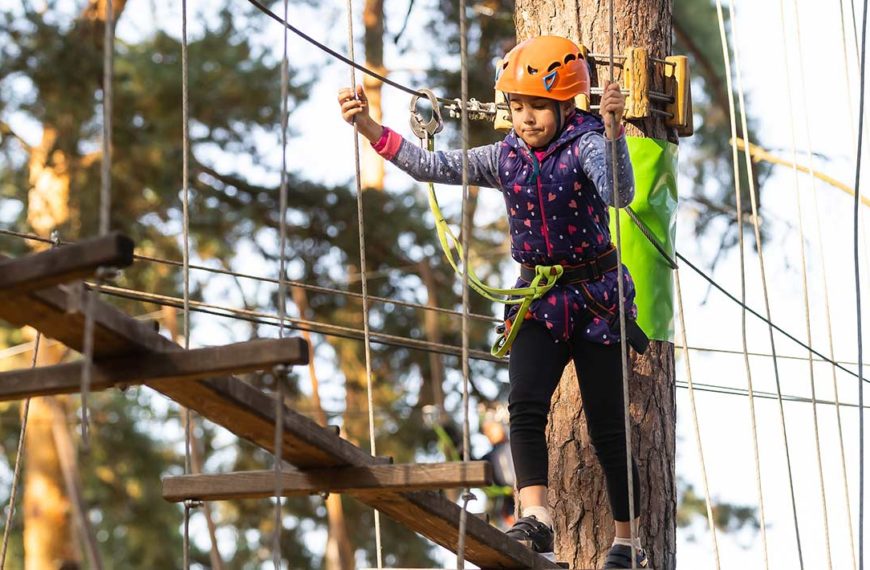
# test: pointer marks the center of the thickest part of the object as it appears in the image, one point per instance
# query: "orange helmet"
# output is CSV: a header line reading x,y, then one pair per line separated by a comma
x,y
546,66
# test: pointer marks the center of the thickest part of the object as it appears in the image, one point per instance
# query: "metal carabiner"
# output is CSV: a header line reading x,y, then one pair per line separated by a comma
x,y
422,127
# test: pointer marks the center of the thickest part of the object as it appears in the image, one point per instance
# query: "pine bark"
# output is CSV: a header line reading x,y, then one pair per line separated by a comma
x,y
577,493
372,167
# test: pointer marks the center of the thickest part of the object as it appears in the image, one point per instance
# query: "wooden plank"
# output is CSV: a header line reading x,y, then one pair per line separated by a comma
x,y
250,414
64,264
377,478
196,364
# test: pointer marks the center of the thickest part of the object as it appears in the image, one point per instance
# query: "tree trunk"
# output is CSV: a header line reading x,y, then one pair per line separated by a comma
x,y
577,494
49,537
372,167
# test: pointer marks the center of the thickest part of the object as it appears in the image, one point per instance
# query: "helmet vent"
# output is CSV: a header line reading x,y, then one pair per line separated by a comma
x,y
570,57
531,70
554,65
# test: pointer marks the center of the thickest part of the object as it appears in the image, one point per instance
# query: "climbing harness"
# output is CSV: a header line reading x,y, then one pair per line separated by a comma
x,y
540,278
545,275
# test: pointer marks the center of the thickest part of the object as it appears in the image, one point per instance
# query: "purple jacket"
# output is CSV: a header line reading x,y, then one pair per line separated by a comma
x,y
556,200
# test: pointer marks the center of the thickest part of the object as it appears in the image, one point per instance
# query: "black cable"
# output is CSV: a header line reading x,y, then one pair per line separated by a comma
x,y
712,282
858,296
265,10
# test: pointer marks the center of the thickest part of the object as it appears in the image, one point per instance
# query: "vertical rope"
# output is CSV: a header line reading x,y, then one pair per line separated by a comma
x,y
105,209
466,239
805,285
185,193
738,197
16,474
623,349
362,275
856,207
691,386
752,196
282,303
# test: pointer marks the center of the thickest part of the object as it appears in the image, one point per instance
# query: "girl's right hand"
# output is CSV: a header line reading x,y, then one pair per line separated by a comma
x,y
356,110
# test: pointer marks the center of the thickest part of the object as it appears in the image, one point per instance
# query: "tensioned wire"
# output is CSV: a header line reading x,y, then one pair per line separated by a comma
x,y
738,196
715,284
13,493
863,53
828,321
805,286
691,388
732,116
268,319
362,269
104,210
185,209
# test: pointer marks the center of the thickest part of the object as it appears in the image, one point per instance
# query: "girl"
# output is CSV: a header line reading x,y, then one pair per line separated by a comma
x,y
554,172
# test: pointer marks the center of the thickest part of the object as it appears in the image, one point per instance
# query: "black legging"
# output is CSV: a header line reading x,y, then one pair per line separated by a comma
x,y
536,365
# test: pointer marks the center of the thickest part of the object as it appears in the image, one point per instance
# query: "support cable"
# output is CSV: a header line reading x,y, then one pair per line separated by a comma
x,y
691,388
185,205
362,257
715,284
105,209
16,473
863,53
738,197
732,113
467,496
281,371
804,283
623,349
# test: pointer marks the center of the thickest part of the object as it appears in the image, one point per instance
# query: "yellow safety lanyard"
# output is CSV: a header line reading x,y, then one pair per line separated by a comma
x,y
545,278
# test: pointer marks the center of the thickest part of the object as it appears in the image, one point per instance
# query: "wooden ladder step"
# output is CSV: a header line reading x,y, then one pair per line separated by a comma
x,y
64,264
372,479
139,368
250,414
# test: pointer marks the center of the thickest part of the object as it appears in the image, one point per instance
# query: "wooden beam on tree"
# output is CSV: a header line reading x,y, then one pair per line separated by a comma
x,y
373,479
64,264
249,413
139,368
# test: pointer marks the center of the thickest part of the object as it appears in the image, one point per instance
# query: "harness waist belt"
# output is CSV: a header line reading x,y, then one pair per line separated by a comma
x,y
590,270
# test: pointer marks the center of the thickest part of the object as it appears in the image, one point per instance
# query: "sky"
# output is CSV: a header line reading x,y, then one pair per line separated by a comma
x,y
823,89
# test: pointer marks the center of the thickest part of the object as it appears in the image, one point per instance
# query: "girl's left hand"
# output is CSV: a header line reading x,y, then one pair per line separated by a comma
x,y
612,103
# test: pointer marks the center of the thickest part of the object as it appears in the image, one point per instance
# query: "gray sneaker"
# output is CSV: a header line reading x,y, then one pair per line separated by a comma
x,y
534,534
619,556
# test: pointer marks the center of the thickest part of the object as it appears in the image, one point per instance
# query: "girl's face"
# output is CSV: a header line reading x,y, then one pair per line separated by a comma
x,y
534,118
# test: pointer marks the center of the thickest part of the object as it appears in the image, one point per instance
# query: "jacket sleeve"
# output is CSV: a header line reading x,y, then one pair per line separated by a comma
x,y
594,153
442,167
